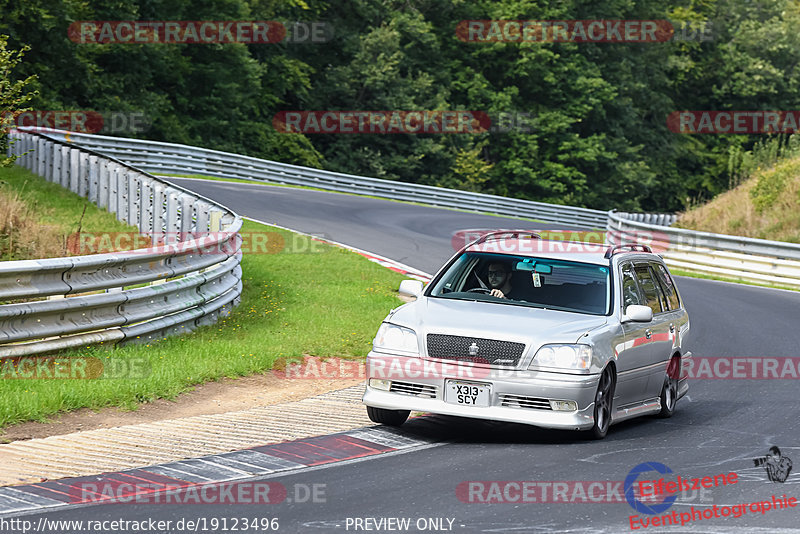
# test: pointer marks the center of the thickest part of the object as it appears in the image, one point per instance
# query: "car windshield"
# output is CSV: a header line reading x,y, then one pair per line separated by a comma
x,y
526,281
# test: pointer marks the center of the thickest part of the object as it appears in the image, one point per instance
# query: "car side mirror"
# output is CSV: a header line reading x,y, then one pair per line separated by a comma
x,y
638,314
413,288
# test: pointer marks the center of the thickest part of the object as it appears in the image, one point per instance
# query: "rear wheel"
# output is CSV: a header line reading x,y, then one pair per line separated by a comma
x,y
387,417
603,403
669,391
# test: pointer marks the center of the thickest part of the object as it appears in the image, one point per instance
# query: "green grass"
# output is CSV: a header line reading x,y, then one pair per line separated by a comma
x,y
320,300
58,206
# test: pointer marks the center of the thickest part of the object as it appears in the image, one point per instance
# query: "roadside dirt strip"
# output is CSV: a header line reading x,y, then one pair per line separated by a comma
x,y
132,446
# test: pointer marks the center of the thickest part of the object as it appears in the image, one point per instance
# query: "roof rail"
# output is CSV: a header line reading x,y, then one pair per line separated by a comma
x,y
632,247
513,233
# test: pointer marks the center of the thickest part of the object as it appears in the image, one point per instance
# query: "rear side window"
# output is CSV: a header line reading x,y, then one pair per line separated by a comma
x,y
669,288
652,292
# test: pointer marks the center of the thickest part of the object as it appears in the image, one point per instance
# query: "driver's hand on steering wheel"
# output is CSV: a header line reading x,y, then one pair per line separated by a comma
x,y
497,293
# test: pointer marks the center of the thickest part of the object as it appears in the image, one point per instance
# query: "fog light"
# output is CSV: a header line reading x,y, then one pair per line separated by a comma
x,y
563,406
380,383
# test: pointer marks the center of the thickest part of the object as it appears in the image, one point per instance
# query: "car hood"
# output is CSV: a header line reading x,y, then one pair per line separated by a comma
x,y
532,326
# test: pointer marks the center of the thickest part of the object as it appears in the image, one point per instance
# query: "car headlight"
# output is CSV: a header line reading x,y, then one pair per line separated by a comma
x,y
395,338
563,357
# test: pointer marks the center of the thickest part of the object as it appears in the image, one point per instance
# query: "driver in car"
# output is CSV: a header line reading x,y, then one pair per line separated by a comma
x,y
499,276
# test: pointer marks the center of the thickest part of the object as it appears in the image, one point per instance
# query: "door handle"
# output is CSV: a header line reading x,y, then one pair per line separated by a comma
x,y
648,334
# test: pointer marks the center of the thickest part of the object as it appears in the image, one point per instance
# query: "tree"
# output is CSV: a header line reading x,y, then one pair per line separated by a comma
x,y
13,96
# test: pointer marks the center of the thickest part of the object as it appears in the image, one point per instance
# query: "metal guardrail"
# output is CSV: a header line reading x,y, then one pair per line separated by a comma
x,y
191,274
736,257
753,260
658,219
157,157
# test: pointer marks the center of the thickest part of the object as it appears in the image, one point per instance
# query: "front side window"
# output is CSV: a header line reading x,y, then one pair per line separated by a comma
x,y
525,281
630,290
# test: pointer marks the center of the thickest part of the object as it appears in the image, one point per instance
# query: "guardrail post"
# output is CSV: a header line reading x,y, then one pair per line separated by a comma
x,y
57,163
29,159
186,216
201,224
122,194
48,160
22,159
19,149
83,175
65,166
30,150
102,183
94,179
133,198
74,169
146,222
113,188
39,155
159,220
215,221
172,216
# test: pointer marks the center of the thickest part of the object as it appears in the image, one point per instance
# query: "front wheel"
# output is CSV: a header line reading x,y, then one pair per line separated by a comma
x,y
603,403
387,417
669,391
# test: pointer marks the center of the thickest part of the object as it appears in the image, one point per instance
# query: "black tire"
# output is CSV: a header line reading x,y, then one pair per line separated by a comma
x,y
603,405
387,417
669,391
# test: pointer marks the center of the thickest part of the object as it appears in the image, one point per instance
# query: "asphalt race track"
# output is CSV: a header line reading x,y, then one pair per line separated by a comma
x,y
720,427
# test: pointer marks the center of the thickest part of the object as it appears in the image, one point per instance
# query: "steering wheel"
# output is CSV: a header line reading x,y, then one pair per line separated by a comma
x,y
483,290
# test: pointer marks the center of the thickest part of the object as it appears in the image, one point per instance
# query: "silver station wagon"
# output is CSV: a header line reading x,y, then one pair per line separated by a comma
x,y
555,334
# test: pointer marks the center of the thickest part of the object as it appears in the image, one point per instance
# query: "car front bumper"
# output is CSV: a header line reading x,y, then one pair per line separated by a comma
x,y
506,387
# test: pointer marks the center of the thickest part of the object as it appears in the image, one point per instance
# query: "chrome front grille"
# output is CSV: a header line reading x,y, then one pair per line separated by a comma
x,y
475,349
418,390
521,401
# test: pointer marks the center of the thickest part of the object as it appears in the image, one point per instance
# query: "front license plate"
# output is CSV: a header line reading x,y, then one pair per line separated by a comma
x,y
467,393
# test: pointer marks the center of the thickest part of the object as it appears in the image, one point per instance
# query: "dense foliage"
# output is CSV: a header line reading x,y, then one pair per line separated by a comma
x,y
599,135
